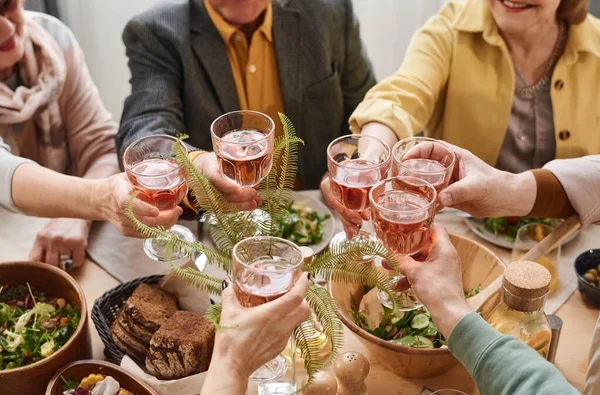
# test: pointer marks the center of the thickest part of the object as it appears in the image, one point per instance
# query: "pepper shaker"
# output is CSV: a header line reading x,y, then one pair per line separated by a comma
x,y
351,370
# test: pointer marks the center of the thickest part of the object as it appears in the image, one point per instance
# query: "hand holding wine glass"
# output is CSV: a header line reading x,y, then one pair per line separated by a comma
x,y
483,191
355,164
260,334
243,198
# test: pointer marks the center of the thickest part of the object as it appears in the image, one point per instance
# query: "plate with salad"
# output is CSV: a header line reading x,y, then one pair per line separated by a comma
x,y
503,231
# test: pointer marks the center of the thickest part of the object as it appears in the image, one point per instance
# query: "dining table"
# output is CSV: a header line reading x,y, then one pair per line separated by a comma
x,y
579,320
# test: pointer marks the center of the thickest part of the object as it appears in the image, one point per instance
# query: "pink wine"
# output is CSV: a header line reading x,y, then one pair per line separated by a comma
x,y
163,192
272,280
353,181
402,223
245,156
428,170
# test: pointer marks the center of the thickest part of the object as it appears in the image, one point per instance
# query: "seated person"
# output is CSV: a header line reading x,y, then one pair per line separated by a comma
x,y
51,113
509,81
562,188
193,60
508,84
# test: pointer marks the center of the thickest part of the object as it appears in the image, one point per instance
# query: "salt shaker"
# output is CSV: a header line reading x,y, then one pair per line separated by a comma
x,y
351,370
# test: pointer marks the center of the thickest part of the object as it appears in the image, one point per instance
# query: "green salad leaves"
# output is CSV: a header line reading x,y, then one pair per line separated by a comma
x,y
32,326
302,225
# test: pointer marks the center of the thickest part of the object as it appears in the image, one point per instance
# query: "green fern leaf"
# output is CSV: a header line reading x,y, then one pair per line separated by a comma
x,y
198,279
307,341
325,310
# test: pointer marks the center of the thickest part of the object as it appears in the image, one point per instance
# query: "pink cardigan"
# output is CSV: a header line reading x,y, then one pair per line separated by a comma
x,y
87,131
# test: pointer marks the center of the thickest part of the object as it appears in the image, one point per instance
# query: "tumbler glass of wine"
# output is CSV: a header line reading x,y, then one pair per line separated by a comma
x,y
402,210
264,269
152,170
355,164
243,142
429,159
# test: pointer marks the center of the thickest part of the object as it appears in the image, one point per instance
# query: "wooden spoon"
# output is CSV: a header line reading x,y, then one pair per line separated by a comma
x,y
562,231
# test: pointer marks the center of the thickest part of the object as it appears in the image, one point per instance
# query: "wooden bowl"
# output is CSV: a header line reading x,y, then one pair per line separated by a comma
x,y
80,369
33,379
479,266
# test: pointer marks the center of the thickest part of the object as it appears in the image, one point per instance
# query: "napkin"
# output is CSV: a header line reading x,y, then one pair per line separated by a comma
x,y
190,385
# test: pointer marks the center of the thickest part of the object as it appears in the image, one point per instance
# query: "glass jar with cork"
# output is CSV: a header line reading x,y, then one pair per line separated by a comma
x,y
521,309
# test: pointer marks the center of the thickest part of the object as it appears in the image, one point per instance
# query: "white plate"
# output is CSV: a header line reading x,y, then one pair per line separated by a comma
x,y
478,227
321,209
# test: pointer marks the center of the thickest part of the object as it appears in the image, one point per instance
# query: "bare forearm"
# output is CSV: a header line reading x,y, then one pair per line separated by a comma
x,y
224,380
380,131
104,166
41,192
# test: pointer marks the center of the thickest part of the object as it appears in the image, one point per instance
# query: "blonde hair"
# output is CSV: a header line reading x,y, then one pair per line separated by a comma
x,y
572,11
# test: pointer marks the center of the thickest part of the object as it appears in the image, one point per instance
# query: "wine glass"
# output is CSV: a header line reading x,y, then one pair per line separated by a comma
x,y
448,392
264,269
528,236
356,163
429,159
402,210
152,170
243,142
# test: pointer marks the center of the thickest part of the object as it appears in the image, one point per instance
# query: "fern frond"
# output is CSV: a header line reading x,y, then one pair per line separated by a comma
x,y
198,279
307,341
325,310
276,189
208,198
213,315
174,243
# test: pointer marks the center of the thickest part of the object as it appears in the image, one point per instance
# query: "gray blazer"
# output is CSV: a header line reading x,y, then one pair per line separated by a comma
x,y
181,77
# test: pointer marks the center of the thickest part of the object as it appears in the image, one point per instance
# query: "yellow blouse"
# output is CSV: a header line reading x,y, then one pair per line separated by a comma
x,y
457,83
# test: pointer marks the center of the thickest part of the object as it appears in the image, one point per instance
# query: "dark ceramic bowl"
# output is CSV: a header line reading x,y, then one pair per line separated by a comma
x,y
587,260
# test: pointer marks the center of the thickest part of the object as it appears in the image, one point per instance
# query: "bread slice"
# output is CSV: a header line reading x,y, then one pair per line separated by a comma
x,y
138,331
127,343
181,347
150,307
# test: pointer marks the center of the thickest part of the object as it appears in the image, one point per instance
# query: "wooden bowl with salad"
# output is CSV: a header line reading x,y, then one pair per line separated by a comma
x,y
104,378
43,325
408,343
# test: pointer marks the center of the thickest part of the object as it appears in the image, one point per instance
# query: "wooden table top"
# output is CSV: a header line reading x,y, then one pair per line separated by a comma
x,y
572,356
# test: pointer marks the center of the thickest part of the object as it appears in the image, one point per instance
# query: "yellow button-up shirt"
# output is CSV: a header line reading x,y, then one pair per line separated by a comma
x,y
254,65
457,83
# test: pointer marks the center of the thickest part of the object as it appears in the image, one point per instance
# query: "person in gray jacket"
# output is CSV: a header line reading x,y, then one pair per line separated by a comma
x,y
194,60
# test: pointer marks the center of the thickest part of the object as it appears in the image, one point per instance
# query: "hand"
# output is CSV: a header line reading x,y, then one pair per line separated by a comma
x,y
484,191
62,236
256,335
437,281
244,199
351,220
111,195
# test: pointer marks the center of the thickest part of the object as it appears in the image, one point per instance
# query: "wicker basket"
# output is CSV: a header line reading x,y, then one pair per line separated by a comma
x,y
106,309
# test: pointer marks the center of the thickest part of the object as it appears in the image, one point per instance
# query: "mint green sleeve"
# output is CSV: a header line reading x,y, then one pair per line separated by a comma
x,y
502,365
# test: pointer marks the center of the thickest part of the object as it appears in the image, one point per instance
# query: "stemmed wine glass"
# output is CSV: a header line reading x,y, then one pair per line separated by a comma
x,y
243,142
264,269
152,170
402,210
429,159
356,163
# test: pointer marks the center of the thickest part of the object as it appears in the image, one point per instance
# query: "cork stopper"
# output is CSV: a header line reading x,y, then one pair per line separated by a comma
x,y
526,285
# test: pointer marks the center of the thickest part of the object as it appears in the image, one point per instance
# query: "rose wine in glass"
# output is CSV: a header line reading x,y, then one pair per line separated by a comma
x,y
264,269
356,163
159,182
153,172
402,211
428,159
243,142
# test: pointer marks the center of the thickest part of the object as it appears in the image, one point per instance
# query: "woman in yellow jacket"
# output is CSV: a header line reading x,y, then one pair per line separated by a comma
x,y
517,82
